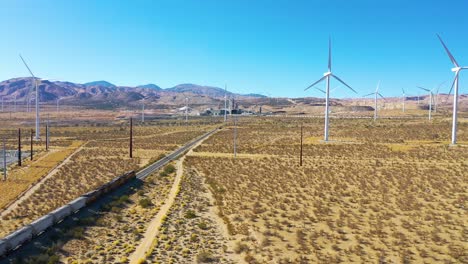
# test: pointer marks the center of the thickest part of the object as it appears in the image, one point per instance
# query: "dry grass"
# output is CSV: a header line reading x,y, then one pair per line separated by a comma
x,y
390,195
104,156
21,178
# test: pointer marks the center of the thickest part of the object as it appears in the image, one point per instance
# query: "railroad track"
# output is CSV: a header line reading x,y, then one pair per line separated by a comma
x,y
142,174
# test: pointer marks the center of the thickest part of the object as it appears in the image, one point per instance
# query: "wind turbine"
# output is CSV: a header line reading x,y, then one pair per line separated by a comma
x,y
403,99
186,108
225,102
38,136
456,70
376,93
326,76
430,100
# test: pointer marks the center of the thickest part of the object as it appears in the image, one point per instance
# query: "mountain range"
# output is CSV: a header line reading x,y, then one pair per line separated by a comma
x,y
106,94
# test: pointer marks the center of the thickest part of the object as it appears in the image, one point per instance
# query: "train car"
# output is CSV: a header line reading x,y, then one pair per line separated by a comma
x,y
41,224
62,212
18,237
92,196
77,204
3,249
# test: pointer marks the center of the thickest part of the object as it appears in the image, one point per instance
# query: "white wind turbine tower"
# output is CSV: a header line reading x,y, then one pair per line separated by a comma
x,y
326,76
186,109
376,93
225,102
456,70
38,136
430,100
403,99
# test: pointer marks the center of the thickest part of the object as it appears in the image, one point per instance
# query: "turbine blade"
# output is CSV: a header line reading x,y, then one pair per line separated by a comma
x,y
368,94
453,83
448,52
341,81
25,64
422,88
329,55
403,91
321,79
381,96
321,90
378,86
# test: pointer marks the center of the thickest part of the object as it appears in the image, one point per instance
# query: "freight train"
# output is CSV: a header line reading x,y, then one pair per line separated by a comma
x,y
26,233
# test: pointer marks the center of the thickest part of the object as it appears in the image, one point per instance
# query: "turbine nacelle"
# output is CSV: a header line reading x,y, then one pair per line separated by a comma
x,y
327,73
457,69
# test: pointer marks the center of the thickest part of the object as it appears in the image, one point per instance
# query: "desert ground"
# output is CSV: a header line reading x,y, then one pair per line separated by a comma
x,y
389,191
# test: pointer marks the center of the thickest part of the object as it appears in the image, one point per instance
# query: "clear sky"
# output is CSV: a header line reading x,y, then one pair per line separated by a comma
x,y
270,47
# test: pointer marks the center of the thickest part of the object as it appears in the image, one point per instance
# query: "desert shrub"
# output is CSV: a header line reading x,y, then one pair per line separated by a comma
x,y
241,247
205,257
190,214
169,169
77,232
145,203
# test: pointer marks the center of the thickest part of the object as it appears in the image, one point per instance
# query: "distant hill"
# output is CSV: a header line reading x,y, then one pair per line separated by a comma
x,y
199,89
103,94
150,86
100,83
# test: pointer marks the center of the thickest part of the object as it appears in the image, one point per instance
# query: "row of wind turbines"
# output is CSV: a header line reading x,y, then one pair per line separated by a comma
x,y
328,75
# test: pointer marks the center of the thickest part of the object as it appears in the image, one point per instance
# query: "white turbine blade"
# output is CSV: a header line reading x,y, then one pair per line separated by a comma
x,y
381,96
341,81
329,55
321,79
422,88
25,64
453,83
321,90
368,94
448,52
465,68
403,91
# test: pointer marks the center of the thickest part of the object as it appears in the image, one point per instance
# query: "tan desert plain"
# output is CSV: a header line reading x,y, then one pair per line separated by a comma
x,y
259,189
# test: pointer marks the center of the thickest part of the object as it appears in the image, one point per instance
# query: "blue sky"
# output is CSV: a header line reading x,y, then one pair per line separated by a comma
x,y
270,47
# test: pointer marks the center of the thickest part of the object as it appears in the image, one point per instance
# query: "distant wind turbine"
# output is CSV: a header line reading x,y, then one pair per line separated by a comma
x,y
326,76
38,136
403,99
376,93
225,102
430,100
456,70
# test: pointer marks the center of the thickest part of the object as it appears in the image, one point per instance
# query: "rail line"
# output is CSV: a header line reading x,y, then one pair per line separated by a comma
x,y
142,174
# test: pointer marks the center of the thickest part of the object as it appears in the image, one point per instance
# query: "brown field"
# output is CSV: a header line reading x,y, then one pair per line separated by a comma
x,y
391,191
103,156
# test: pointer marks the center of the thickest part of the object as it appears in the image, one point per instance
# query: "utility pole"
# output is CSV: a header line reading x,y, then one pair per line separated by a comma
x,y
19,147
300,161
131,138
143,113
32,144
235,137
47,134
4,160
